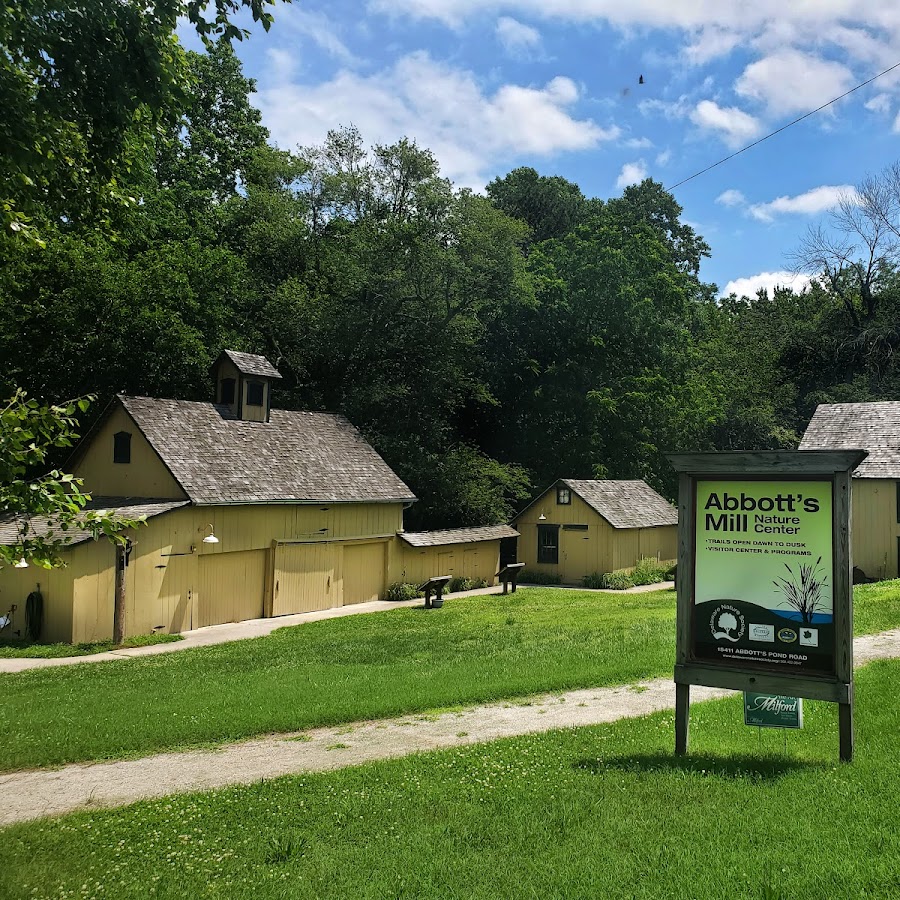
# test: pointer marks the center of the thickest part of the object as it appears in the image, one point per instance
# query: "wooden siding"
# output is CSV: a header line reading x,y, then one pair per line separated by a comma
x,y
477,560
875,527
172,587
600,548
144,476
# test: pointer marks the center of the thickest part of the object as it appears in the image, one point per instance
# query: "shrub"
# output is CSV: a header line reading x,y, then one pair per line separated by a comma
x,y
459,583
527,576
594,580
649,571
617,581
402,590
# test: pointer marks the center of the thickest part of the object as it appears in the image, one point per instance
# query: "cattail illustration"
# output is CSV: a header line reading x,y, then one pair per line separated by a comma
x,y
803,591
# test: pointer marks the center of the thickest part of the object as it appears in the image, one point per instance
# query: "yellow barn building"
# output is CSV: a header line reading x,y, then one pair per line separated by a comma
x,y
876,481
577,528
250,512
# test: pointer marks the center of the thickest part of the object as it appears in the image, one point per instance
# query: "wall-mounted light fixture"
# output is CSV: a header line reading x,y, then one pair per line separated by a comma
x,y
210,538
542,518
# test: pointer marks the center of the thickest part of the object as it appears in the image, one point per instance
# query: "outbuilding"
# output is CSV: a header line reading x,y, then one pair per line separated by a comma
x,y
472,553
250,512
874,427
577,528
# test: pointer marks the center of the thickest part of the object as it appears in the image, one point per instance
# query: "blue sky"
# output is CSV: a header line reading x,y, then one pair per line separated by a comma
x,y
489,85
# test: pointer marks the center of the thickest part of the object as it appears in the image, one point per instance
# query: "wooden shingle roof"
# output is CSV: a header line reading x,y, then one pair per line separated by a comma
x,y
625,504
457,535
295,457
251,364
865,426
127,507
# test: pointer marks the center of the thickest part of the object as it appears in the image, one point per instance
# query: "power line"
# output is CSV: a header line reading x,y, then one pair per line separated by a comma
x,y
783,128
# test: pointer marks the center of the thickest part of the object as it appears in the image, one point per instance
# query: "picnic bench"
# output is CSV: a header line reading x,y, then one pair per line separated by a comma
x,y
509,573
435,585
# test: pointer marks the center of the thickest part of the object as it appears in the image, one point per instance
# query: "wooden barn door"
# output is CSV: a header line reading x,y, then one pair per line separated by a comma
x,y
363,572
231,587
305,578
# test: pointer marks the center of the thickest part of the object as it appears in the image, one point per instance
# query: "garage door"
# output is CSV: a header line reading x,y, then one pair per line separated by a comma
x,y
305,578
231,587
363,572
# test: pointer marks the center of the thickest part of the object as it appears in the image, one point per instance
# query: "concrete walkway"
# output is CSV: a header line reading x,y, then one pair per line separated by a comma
x,y
237,631
33,795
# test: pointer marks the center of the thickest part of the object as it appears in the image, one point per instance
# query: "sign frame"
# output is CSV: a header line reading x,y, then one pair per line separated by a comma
x,y
834,466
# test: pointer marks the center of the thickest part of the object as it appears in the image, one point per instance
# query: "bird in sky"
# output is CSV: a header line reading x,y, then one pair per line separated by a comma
x,y
641,80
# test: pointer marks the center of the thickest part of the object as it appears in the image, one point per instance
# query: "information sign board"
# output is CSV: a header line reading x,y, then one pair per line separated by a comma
x,y
764,573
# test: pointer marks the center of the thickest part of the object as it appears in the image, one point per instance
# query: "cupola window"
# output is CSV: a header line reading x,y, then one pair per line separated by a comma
x,y
254,393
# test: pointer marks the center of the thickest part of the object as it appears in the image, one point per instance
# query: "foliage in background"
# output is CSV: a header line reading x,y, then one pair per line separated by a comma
x,y
485,345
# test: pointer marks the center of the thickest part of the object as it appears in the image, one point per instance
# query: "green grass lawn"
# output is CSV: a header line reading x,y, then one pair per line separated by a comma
x,y
600,812
12,648
474,650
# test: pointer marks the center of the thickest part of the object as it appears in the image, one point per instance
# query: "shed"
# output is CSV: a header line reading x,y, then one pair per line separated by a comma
x,y
874,427
462,552
577,528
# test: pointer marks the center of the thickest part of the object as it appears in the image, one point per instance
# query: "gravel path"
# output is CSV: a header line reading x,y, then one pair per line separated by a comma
x,y
32,795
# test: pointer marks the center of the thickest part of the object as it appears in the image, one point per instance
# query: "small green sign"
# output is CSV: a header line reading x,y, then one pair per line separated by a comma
x,y
772,711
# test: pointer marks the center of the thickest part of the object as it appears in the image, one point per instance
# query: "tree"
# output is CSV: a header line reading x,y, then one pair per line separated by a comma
x,y
29,434
552,206
84,84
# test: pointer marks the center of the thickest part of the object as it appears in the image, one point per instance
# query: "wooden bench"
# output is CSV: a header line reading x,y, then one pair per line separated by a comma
x,y
509,573
435,585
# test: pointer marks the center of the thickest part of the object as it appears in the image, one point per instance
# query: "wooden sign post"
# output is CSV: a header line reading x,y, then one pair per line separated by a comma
x,y
764,578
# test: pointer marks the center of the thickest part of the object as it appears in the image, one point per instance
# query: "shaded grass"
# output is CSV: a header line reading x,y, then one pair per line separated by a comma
x,y
476,649
11,648
605,811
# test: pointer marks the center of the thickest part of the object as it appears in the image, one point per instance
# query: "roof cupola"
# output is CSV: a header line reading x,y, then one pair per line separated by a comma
x,y
244,385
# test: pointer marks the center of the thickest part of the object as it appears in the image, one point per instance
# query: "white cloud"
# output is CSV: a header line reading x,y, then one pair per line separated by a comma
x,y
810,203
731,197
664,158
747,287
639,143
318,28
737,16
631,173
711,42
896,126
733,125
880,103
517,39
790,81
445,109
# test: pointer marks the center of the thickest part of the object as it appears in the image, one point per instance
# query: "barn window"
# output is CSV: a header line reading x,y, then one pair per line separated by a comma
x,y
254,393
121,447
548,544
563,496
227,391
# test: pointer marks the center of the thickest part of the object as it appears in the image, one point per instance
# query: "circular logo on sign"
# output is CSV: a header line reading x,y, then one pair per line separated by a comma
x,y
787,635
727,623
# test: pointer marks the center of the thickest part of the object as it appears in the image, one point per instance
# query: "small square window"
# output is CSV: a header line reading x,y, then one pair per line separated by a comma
x,y
254,393
121,447
563,496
